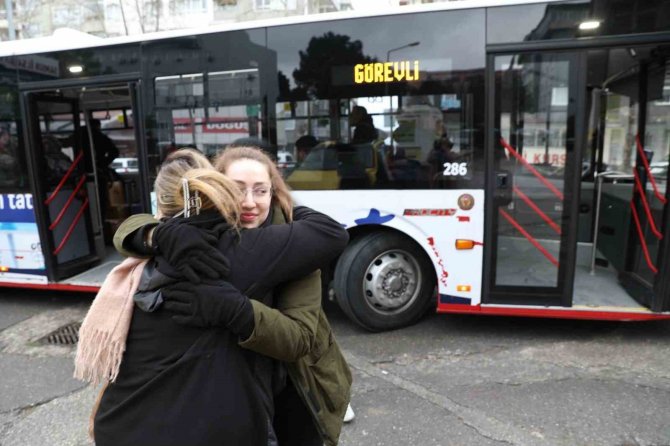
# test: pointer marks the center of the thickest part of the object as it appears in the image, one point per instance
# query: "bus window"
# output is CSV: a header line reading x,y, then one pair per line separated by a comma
x,y
205,91
11,176
415,101
180,101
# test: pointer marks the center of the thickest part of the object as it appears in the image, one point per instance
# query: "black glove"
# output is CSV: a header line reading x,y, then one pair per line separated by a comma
x,y
220,305
190,250
136,242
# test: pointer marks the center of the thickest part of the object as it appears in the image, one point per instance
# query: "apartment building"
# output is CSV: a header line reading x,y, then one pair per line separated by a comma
x,y
108,18
138,16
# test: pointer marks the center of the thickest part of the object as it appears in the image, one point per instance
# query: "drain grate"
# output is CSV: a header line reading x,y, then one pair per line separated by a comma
x,y
65,335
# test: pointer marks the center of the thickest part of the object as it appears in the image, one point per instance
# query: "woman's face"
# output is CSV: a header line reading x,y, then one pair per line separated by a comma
x,y
253,179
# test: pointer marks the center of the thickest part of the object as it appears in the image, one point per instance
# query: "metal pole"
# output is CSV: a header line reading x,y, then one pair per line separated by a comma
x,y
599,185
10,19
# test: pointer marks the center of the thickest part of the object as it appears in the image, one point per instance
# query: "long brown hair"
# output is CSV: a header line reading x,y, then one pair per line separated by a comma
x,y
215,189
281,194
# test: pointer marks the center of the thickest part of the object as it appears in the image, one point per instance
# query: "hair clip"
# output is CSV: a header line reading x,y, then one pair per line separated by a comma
x,y
192,204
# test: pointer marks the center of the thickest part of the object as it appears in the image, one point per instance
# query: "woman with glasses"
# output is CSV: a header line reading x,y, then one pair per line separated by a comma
x,y
310,381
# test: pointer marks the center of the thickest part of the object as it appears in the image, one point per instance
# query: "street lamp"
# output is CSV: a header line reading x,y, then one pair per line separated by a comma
x,y
388,53
388,59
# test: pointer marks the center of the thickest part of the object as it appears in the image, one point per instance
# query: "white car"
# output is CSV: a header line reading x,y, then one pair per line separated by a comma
x,y
285,160
659,169
125,165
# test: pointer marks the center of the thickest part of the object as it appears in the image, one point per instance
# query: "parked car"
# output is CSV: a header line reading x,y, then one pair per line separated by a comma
x,y
336,166
285,161
659,170
125,165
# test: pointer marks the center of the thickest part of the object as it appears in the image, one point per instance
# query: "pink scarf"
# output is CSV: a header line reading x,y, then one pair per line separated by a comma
x,y
102,336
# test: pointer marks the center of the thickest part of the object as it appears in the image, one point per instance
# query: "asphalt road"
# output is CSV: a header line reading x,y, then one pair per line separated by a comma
x,y
449,380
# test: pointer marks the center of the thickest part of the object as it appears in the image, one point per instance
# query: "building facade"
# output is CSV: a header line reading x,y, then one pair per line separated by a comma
x,y
110,18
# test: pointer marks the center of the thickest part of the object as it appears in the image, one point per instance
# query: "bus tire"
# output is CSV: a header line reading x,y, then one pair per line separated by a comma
x,y
384,281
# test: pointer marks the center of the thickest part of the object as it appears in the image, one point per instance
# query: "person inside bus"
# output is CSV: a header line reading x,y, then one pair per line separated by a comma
x,y
105,149
303,146
58,163
261,327
403,171
8,166
104,152
361,121
440,154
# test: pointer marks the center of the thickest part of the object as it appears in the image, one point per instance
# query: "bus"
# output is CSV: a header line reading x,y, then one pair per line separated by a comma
x,y
486,157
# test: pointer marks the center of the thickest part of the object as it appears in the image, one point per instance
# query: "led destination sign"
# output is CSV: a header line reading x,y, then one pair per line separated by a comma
x,y
379,72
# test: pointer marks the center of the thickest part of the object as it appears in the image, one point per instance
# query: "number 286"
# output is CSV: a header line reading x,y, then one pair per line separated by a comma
x,y
455,169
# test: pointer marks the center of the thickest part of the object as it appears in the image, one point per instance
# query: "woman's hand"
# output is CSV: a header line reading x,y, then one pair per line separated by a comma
x,y
190,250
203,305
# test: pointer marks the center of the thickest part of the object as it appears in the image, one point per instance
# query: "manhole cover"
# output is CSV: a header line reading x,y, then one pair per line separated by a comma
x,y
65,335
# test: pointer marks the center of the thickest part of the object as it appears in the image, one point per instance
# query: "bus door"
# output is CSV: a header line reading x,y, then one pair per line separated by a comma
x,y
63,182
632,151
533,177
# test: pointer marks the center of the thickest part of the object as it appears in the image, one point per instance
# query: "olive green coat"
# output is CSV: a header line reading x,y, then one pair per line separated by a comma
x,y
298,333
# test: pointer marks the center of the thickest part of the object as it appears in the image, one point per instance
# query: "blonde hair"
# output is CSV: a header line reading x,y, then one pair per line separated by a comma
x,y
216,191
281,194
193,157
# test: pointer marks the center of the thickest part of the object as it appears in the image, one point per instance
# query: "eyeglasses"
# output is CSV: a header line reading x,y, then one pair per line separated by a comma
x,y
257,192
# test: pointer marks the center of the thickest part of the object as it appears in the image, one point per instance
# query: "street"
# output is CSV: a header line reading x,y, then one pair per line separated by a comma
x,y
449,380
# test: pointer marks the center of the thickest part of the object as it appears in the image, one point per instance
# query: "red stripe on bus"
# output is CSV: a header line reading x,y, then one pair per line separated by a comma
x,y
65,177
643,241
645,205
537,210
67,235
529,237
532,170
551,313
67,204
52,286
643,156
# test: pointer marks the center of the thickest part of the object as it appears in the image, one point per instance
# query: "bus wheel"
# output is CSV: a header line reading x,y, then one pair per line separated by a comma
x,y
384,281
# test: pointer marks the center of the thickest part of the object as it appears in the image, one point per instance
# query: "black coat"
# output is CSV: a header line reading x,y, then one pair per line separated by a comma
x,y
181,385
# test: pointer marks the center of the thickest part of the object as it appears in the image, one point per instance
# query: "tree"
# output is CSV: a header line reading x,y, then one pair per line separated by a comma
x,y
284,86
313,77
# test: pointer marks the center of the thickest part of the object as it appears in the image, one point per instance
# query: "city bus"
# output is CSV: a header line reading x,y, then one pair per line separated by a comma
x,y
486,157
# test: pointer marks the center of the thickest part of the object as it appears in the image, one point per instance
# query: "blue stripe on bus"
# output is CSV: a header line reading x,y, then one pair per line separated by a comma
x,y
447,299
33,271
374,218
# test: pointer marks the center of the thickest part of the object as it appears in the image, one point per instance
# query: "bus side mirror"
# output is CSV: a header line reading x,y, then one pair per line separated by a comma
x,y
503,188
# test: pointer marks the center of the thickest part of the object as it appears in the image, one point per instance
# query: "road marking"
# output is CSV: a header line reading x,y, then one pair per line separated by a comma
x,y
487,426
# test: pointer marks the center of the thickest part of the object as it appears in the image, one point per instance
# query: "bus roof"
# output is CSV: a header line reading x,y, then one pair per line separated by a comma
x,y
63,38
